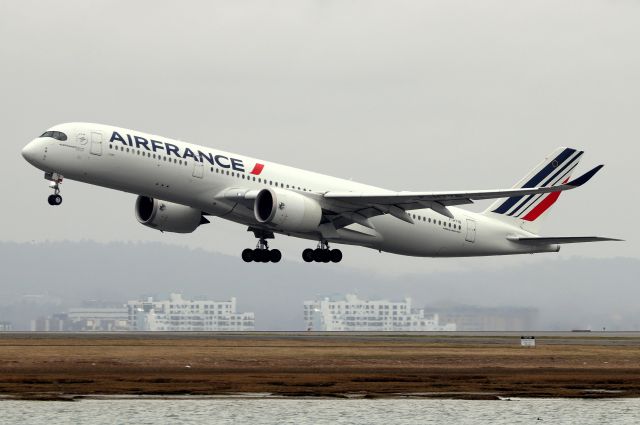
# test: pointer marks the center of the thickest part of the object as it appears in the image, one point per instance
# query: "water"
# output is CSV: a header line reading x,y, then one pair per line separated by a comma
x,y
304,411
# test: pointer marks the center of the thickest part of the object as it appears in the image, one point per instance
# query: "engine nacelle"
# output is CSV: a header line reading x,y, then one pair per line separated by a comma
x,y
167,216
287,210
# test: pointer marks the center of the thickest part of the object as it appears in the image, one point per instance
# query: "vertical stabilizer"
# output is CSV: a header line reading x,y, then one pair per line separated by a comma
x,y
528,211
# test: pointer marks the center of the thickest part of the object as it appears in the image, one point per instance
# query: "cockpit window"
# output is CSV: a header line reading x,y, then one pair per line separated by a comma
x,y
58,135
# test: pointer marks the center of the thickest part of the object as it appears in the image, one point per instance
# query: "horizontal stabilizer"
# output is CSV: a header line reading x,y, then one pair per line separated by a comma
x,y
560,240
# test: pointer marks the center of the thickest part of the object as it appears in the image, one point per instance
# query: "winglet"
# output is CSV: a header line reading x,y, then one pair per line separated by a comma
x,y
585,177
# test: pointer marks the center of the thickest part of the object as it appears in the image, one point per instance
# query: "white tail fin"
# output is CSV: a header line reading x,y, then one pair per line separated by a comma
x,y
526,211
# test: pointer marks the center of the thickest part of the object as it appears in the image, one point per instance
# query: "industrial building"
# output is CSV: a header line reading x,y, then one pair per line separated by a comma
x,y
349,313
178,314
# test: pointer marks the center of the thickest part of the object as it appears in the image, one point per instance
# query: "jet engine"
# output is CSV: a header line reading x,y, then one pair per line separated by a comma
x,y
167,216
287,210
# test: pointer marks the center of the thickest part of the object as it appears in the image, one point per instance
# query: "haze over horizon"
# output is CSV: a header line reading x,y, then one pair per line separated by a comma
x,y
403,95
573,293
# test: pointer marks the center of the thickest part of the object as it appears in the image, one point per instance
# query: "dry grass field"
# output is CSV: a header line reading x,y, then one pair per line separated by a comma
x,y
53,366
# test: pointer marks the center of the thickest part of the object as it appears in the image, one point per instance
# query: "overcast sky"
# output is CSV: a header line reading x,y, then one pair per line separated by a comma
x,y
406,95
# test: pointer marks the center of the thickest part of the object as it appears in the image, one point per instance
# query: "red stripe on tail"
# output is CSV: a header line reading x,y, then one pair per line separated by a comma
x,y
544,205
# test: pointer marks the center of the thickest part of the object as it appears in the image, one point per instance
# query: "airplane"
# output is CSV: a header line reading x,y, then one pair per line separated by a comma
x,y
179,185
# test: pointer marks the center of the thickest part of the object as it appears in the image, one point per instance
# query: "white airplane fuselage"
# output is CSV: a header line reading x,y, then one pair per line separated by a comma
x,y
118,158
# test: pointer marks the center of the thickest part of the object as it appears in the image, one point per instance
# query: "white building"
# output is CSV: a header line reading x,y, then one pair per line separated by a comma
x,y
353,314
178,314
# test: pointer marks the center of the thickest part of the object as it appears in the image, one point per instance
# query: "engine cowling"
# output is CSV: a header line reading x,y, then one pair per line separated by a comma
x,y
287,210
167,216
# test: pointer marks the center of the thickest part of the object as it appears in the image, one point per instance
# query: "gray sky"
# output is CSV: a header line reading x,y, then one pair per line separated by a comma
x,y
407,95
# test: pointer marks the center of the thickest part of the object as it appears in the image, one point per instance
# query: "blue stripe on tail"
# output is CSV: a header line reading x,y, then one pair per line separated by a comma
x,y
535,180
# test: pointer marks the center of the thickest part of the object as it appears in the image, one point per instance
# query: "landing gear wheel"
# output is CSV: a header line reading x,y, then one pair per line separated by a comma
x,y
257,255
317,255
54,200
247,255
275,255
308,255
336,255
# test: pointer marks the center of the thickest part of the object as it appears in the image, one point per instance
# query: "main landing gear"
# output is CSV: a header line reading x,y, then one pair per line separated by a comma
x,y
55,180
262,253
322,254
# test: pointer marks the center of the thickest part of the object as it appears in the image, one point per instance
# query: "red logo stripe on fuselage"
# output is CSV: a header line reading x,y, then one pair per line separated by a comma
x,y
257,169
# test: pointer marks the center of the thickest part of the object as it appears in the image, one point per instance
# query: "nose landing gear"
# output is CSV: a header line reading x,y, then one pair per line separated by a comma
x,y
55,180
322,254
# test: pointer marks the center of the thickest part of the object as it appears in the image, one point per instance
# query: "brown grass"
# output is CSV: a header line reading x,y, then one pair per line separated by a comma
x,y
332,366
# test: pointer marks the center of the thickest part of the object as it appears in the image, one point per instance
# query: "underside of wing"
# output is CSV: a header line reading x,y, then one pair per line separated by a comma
x,y
560,240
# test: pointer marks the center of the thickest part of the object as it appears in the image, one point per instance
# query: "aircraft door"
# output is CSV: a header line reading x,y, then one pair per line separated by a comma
x,y
198,169
471,231
96,143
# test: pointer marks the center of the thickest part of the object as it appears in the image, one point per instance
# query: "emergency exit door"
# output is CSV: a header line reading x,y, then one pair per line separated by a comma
x,y
198,169
96,143
471,231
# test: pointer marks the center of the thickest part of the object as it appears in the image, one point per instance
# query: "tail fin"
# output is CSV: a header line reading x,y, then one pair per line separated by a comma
x,y
527,211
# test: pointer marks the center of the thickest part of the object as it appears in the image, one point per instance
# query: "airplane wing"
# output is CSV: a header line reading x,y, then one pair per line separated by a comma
x,y
351,207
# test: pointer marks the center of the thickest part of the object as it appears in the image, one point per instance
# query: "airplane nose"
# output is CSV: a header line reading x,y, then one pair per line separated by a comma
x,y
29,152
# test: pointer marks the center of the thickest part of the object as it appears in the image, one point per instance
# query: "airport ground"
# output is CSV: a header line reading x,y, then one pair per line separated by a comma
x,y
450,365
